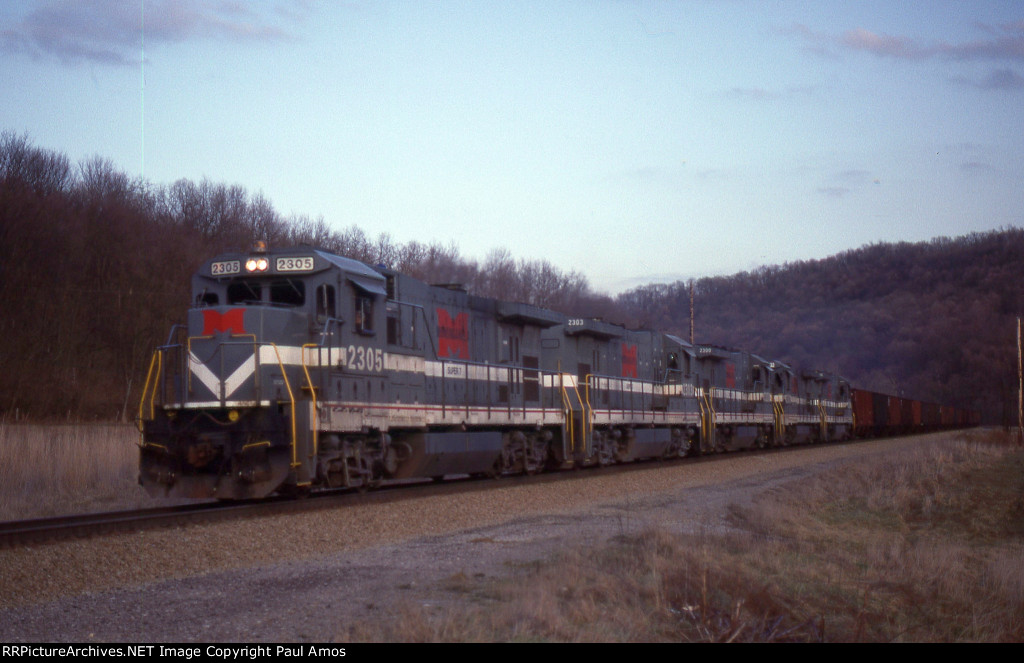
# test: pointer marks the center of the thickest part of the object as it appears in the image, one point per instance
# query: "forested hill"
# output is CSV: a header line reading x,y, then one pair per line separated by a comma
x,y
933,320
95,267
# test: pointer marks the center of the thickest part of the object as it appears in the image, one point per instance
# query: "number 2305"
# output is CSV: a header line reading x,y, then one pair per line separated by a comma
x,y
362,358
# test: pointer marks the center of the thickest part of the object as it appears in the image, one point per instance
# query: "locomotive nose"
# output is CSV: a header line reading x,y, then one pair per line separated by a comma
x,y
226,429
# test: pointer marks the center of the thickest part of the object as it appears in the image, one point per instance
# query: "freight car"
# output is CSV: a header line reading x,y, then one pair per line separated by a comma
x,y
877,415
298,369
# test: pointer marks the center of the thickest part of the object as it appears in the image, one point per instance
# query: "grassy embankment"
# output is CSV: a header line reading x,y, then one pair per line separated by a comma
x,y
925,545
64,469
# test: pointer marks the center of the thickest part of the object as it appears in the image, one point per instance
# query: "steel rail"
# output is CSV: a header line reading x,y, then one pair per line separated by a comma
x,y
18,533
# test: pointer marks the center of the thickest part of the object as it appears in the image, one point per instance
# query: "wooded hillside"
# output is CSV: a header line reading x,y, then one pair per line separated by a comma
x,y
934,321
95,269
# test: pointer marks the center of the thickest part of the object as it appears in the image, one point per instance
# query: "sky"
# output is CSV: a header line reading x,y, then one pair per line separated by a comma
x,y
631,141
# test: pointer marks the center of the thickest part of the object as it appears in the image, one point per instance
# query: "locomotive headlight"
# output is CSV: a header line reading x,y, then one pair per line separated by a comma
x,y
233,415
257,264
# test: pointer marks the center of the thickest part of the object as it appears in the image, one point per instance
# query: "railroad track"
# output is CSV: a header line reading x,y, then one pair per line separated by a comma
x,y
45,530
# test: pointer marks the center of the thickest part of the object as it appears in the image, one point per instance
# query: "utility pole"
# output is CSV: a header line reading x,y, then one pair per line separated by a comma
x,y
691,312
1020,389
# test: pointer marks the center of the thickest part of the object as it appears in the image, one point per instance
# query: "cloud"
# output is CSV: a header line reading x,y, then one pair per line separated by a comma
x,y
972,167
848,181
883,45
854,175
1006,42
998,79
818,43
1002,42
833,191
115,33
762,94
757,93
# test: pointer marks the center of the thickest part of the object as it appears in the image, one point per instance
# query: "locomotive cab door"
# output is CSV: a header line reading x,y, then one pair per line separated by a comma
x,y
510,341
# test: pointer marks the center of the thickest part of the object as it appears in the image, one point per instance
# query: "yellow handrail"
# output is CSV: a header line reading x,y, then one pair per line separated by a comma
x,y
583,419
780,416
587,407
156,384
291,398
568,411
312,392
588,410
707,412
708,396
156,359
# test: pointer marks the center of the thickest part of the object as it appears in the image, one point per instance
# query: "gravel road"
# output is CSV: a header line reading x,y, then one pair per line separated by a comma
x,y
303,577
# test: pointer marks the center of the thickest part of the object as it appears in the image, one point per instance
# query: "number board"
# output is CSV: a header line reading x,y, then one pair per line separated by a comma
x,y
298,264
226,267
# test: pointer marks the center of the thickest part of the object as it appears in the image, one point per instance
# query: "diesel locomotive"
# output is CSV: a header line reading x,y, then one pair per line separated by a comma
x,y
298,369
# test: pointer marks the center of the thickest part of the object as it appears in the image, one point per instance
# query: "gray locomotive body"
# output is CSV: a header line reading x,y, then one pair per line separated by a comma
x,y
299,369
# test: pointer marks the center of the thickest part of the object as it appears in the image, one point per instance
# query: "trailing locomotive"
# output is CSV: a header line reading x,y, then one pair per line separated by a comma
x,y
299,369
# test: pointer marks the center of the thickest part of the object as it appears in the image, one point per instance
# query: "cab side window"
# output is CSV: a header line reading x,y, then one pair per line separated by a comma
x,y
364,313
325,303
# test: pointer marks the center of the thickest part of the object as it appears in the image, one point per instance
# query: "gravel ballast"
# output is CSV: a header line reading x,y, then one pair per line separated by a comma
x,y
303,577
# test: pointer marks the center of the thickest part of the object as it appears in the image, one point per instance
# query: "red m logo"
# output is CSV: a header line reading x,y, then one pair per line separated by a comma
x,y
231,321
452,335
628,360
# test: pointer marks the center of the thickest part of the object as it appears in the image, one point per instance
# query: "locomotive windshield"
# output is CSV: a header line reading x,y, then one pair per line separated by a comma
x,y
267,292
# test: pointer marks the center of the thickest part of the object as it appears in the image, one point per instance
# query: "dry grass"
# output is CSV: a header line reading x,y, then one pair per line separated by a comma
x,y
64,469
927,545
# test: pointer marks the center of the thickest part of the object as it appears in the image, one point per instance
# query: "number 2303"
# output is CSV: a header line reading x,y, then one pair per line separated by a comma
x,y
362,358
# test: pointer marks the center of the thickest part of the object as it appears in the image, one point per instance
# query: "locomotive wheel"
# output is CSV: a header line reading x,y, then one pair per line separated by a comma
x,y
535,454
363,479
605,452
530,466
496,471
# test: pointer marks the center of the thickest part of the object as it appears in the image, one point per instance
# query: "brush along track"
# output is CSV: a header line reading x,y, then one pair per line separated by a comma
x,y
297,576
42,530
